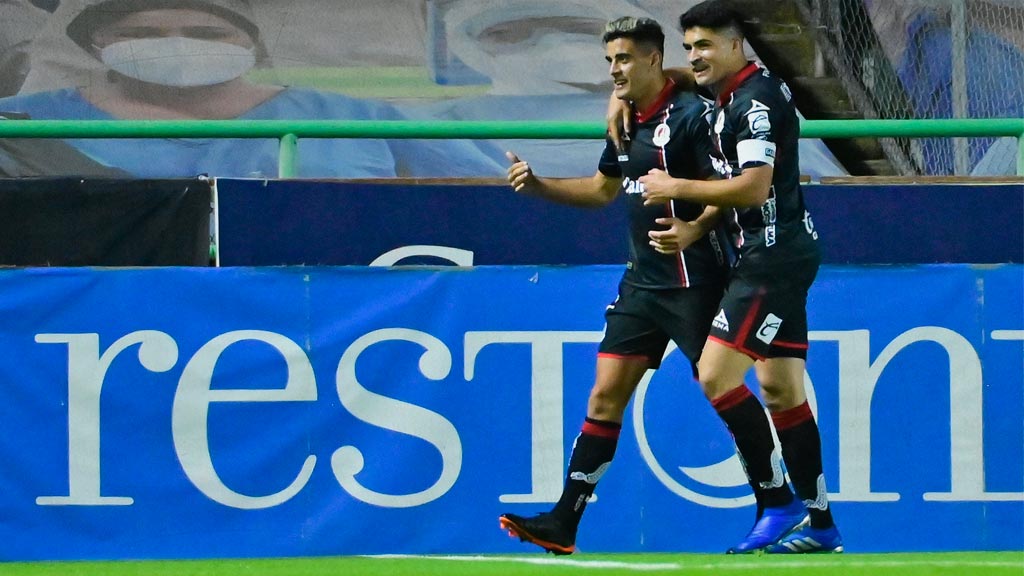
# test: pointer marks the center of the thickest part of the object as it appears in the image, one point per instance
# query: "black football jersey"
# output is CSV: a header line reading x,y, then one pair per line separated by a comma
x,y
671,135
755,123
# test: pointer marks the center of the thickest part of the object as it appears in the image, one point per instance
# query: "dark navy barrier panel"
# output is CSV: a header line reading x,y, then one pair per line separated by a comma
x,y
270,223
293,222
300,411
919,223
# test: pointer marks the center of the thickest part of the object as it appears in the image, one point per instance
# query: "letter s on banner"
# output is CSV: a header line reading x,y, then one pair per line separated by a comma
x,y
403,417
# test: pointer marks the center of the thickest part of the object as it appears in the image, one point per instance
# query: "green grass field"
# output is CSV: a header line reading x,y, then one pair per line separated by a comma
x,y
952,564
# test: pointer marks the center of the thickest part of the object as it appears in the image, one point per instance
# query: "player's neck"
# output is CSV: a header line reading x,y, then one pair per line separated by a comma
x,y
651,94
731,79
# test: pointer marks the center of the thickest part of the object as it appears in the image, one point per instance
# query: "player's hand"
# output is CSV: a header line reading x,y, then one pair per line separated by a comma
x,y
520,176
619,118
679,235
657,187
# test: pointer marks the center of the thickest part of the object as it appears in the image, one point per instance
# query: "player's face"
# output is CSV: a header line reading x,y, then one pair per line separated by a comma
x,y
633,69
714,55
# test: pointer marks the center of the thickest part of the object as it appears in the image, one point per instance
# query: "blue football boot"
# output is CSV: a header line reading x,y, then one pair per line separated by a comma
x,y
809,540
774,524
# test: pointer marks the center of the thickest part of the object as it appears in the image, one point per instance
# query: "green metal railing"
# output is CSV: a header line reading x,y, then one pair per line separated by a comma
x,y
288,132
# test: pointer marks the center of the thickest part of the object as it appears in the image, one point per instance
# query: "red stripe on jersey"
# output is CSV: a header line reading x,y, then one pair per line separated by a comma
x,y
748,322
684,273
749,70
663,96
737,347
624,356
789,345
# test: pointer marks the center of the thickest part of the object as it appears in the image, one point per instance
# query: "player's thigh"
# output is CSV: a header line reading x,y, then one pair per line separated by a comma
x,y
722,368
614,384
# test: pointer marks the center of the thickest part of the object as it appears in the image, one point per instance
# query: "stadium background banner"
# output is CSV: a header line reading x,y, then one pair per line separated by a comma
x,y
272,223
295,411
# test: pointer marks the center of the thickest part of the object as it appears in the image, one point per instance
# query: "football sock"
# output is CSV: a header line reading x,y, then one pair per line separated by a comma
x,y
591,455
745,417
801,449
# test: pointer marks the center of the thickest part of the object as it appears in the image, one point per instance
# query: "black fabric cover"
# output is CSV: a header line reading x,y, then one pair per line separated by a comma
x,y
104,222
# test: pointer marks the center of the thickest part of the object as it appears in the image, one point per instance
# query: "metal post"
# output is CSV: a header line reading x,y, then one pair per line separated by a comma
x,y
958,23
287,156
1020,154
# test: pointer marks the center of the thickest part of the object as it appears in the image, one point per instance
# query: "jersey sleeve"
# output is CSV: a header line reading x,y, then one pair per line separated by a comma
x,y
757,120
609,163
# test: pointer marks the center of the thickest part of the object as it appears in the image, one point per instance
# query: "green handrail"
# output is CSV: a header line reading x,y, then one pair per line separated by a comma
x,y
289,131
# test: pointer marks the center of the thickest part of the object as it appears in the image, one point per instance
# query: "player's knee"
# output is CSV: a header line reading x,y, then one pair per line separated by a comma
x,y
606,404
714,383
780,395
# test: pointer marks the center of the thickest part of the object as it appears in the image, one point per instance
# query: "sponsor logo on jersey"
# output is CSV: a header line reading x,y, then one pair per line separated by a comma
x,y
720,321
809,225
757,118
769,213
662,134
786,92
630,186
769,328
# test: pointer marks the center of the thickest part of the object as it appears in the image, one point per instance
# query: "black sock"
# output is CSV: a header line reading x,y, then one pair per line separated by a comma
x,y
801,449
591,456
744,416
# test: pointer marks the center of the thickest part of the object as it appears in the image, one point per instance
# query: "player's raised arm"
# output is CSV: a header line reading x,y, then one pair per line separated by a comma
x,y
597,190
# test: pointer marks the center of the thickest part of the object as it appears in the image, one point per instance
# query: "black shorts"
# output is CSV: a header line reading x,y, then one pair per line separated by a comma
x,y
764,314
641,322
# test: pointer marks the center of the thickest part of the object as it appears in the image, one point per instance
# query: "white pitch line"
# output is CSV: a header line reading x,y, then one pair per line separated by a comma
x,y
808,563
726,564
639,567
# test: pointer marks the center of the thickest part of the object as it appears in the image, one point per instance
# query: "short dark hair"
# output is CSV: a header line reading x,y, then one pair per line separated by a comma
x,y
717,15
643,31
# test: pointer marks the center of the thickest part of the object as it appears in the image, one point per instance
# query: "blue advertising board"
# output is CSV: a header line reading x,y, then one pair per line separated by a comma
x,y
175,413
273,223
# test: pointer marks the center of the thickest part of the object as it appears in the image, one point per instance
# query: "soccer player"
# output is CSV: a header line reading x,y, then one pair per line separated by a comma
x,y
762,319
678,261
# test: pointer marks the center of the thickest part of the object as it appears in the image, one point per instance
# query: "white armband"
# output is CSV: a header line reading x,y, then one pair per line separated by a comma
x,y
755,151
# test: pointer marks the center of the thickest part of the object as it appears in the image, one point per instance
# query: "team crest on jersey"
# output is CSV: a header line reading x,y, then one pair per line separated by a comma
x,y
661,135
757,118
